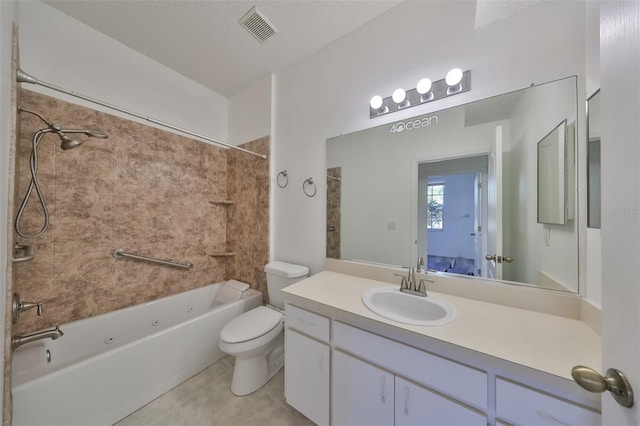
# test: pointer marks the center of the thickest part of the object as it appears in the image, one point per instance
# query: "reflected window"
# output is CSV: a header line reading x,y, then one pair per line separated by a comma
x,y
435,206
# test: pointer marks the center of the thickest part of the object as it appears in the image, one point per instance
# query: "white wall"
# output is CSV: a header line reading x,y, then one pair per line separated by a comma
x,y
62,51
7,16
250,112
328,93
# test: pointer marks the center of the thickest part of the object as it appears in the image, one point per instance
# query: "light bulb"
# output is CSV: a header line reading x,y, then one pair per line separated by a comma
x,y
399,96
376,102
453,77
423,86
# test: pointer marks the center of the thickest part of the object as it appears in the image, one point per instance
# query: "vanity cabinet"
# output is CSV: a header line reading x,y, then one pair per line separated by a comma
x,y
340,374
307,363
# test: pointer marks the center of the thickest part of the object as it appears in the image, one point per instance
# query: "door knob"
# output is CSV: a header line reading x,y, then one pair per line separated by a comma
x,y
615,381
499,259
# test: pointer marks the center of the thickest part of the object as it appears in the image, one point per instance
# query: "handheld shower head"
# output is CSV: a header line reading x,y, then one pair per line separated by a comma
x,y
68,143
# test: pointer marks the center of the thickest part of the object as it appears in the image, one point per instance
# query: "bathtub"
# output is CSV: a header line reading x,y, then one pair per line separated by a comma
x,y
106,367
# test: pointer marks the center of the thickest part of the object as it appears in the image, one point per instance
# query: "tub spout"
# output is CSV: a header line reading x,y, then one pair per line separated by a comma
x,y
51,333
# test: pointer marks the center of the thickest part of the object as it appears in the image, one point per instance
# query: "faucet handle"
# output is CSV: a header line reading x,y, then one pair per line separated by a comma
x,y
403,283
25,306
19,307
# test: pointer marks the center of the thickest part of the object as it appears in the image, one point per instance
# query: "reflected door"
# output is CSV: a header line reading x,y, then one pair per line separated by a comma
x,y
477,226
494,208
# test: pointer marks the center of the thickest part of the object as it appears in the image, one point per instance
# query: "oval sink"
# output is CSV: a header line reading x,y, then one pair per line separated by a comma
x,y
391,303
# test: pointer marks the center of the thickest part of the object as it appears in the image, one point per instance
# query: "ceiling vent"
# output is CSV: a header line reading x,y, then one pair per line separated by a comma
x,y
258,25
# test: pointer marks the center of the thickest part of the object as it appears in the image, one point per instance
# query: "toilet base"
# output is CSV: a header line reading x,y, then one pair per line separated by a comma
x,y
253,372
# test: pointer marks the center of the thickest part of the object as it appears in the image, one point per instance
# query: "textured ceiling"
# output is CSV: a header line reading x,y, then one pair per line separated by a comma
x,y
203,40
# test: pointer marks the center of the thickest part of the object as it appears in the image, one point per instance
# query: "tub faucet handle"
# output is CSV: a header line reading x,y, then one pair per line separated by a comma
x,y
25,306
19,307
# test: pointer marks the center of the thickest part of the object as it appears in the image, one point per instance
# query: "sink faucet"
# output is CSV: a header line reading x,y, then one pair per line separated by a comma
x,y
408,284
51,333
420,264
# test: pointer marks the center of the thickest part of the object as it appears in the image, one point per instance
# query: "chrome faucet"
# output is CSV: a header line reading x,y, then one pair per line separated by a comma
x,y
408,284
51,333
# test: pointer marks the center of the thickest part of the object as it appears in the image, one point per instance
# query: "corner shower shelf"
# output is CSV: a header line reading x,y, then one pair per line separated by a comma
x,y
223,202
222,254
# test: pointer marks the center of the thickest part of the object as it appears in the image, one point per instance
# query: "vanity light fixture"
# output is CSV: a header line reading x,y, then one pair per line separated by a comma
x,y
456,81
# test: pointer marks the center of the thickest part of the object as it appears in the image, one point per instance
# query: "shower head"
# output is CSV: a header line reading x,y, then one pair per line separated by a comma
x,y
68,143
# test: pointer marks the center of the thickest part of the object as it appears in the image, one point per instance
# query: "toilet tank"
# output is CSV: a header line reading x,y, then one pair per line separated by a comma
x,y
281,275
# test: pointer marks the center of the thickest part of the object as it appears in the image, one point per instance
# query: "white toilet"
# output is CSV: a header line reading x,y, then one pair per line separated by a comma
x,y
256,337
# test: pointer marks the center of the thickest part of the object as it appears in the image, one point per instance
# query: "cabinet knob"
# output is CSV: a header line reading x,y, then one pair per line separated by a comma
x,y
615,381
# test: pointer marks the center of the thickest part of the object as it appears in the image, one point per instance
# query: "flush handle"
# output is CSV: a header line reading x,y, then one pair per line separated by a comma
x,y
615,382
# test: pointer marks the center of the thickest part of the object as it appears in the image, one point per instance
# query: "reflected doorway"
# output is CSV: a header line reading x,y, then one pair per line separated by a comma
x,y
452,215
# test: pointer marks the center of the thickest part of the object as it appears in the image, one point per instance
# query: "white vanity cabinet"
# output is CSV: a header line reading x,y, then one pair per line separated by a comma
x,y
307,363
345,369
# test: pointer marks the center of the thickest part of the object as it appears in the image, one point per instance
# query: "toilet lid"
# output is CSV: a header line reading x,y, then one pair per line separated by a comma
x,y
251,325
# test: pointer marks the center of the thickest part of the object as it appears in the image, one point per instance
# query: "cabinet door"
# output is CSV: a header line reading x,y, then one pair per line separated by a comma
x,y
306,376
416,405
362,394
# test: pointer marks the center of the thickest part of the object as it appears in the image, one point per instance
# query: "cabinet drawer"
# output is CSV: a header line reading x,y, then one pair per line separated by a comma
x,y
522,405
459,381
311,324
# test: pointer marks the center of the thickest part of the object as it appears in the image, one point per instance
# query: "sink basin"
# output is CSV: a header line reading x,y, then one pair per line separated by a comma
x,y
391,303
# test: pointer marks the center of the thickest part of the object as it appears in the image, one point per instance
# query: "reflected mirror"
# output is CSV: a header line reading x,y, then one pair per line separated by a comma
x,y
593,161
553,172
458,188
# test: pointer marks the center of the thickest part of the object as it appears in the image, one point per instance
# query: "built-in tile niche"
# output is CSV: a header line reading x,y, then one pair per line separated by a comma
x,y
145,190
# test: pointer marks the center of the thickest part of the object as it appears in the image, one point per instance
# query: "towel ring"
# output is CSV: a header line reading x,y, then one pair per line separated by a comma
x,y
286,179
304,187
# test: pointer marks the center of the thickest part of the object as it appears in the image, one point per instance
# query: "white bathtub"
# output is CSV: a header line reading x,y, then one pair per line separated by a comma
x,y
108,366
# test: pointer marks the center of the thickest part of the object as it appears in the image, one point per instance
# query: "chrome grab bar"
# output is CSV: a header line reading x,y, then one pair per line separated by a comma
x,y
120,253
29,252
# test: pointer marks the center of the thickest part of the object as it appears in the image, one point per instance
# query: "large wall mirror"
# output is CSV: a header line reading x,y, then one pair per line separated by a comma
x,y
459,189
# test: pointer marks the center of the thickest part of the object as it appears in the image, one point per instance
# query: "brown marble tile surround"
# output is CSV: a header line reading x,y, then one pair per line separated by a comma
x,y
142,189
334,197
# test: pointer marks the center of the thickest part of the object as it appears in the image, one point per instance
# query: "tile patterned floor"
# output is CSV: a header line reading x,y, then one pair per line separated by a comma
x,y
206,399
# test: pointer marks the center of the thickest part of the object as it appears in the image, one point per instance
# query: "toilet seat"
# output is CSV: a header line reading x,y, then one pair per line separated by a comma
x,y
251,325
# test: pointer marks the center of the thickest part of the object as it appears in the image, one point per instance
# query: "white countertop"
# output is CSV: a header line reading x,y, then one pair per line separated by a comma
x,y
544,342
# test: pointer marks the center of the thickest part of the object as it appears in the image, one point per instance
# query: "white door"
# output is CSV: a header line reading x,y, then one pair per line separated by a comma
x,y
494,207
620,155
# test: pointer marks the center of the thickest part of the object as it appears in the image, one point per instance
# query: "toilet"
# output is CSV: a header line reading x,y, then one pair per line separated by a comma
x,y
256,338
